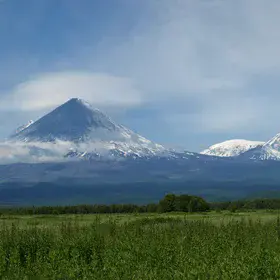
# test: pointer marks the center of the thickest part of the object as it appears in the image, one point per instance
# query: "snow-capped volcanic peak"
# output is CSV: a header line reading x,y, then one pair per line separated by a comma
x,y
75,120
85,130
232,148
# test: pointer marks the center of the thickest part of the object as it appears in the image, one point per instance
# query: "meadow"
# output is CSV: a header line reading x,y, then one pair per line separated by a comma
x,y
141,246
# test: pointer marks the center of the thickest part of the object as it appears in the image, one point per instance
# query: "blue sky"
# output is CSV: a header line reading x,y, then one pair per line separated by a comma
x,y
183,73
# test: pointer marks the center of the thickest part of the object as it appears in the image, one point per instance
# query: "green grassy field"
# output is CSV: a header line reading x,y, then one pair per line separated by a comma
x,y
141,246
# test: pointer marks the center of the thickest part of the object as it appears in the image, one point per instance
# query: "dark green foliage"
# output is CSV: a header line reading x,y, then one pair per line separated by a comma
x,y
81,209
183,203
171,202
254,204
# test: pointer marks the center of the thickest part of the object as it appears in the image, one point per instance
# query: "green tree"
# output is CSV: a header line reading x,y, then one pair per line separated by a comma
x,y
168,203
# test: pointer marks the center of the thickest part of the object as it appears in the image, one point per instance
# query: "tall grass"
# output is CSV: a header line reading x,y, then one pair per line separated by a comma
x,y
158,248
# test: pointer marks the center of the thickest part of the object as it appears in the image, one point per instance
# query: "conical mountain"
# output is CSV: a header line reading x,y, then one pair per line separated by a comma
x,y
89,132
75,120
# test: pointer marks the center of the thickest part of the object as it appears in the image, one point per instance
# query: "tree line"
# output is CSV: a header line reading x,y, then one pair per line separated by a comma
x,y
253,204
169,203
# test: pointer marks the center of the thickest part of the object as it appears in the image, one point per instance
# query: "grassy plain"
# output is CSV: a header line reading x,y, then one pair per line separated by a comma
x,y
141,246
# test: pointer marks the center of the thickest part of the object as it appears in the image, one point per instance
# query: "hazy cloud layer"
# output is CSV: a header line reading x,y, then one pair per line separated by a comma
x,y
52,89
32,152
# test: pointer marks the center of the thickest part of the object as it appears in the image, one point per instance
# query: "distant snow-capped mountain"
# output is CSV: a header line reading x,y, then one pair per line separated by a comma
x,y
78,130
268,151
232,148
247,150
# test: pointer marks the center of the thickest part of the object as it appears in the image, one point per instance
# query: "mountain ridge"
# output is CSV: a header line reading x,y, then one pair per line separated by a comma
x,y
77,145
231,148
77,130
246,150
84,132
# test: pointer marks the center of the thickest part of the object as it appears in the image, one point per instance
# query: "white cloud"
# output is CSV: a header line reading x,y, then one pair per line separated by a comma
x,y
52,89
209,52
32,152
183,53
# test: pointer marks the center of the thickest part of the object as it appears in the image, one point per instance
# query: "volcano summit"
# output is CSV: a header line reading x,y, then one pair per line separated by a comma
x,y
78,130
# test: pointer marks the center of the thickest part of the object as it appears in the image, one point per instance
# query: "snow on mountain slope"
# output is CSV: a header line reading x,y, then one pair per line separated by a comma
x,y
269,151
232,148
77,130
273,143
76,121
19,129
247,150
